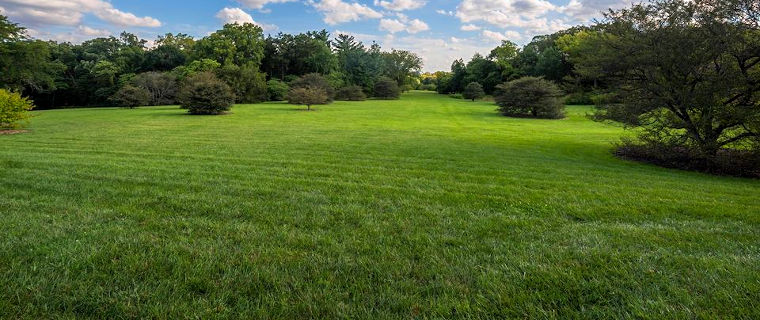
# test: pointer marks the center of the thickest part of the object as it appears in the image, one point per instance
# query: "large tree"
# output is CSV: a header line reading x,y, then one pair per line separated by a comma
x,y
688,72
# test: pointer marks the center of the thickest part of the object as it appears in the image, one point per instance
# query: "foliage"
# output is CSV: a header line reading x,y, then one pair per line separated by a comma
x,y
530,96
317,82
350,93
387,88
247,83
235,43
130,96
473,91
277,90
13,108
428,87
307,95
204,93
162,87
706,100
401,66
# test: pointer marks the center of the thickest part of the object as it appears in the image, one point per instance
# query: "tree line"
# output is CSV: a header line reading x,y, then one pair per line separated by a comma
x,y
105,71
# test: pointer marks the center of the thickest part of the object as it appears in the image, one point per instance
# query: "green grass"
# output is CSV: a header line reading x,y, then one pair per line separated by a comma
x,y
423,207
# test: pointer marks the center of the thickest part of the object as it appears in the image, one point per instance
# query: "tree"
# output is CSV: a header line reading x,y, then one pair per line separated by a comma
x,y
530,96
308,96
473,91
351,93
13,107
204,93
25,64
688,72
401,65
248,84
387,88
235,43
161,86
131,97
315,81
277,90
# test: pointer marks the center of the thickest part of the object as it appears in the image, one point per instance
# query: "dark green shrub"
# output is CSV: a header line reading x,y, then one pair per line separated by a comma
x,y
530,97
277,90
13,108
315,81
387,88
579,99
351,93
473,91
131,97
204,93
307,96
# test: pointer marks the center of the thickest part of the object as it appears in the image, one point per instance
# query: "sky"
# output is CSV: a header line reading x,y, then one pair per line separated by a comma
x,y
439,31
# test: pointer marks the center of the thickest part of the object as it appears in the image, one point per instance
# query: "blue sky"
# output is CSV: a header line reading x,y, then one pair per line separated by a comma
x,y
437,30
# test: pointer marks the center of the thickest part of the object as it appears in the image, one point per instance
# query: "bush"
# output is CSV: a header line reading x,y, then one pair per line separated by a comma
x,y
247,82
428,87
387,88
473,91
131,97
579,99
307,96
315,81
531,97
13,109
204,93
456,96
351,93
277,90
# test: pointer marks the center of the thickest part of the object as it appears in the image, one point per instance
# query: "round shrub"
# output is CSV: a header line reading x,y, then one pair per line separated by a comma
x,y
315,81
387,88
204,93
351,93
530,97
473,91
13,108
277,90
131,97
307,96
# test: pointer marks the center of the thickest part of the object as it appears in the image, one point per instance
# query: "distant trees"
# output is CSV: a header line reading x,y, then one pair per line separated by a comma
x,y
350,93
13,108
204,93
387,88
161,86
473,91
530,96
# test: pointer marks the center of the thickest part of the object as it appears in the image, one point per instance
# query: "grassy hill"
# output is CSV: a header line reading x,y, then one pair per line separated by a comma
x,y
427,206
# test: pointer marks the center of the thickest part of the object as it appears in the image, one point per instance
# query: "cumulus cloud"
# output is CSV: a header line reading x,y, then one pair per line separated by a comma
x,y
403,23
259,4
401,5
469,27
502,12
499,36
237,15
338,11
586,9
70,13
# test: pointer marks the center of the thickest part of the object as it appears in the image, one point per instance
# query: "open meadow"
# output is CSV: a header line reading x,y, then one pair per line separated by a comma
x,y
426,206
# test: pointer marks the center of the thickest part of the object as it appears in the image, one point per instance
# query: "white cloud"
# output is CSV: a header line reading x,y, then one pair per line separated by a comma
x,y
92,32
469,27
401,5
259,4
498,36
417,25
237,15
444,12
403,24
337,11
392,25
583,10
70,13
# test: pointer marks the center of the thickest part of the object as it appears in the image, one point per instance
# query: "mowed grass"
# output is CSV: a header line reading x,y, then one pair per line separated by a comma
x,y
426,207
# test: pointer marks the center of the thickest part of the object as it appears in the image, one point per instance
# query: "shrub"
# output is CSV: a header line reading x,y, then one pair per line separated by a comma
x,y
428,87
307,96
387,88
579,99
473,91
315,81
204,93
246,81
351,93
131,97
277,90
530,96
13,109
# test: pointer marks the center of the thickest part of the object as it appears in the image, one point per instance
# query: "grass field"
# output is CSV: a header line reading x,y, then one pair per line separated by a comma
x,y
424,207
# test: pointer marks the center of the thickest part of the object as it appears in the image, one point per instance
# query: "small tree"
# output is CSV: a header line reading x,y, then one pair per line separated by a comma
x,y
473,91
387,88
351,93
131,97
277,90
307,96
204,93
13,108
317,82
530,96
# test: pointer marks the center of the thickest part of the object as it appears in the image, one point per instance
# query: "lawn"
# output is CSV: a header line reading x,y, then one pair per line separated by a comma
x,y
426,207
